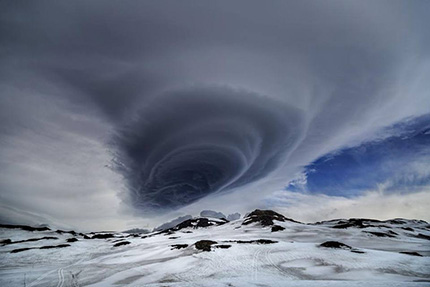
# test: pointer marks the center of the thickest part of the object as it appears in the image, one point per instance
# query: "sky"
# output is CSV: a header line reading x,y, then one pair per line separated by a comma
x,y
127,114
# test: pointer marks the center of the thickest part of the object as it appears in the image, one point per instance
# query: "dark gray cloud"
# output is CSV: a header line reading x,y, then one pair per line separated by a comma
x,y
187,144
113,93
196,99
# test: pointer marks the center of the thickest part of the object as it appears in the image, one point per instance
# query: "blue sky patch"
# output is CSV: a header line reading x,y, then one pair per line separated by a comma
x,y
397,163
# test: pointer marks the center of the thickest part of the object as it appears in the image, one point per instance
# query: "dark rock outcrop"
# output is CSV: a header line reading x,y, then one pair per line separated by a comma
x,y
179,246
411,253
5,241
21,250
257,241
102,236
195,223
43,247
72,239
30,240
265,217
396,221
276,228
335,244
357,223
37,239
173,223
84,235
204,245
340,245
121,243
222,246
55,246
422,236
24,227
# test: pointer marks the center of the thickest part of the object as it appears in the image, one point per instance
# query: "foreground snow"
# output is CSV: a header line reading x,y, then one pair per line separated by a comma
x,y
295,260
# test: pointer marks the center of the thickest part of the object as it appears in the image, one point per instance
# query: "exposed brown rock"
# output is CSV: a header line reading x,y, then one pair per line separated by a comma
x,y
205,245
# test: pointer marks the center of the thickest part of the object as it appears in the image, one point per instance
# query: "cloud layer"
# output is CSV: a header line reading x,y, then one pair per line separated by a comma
x,y
187,144
112,111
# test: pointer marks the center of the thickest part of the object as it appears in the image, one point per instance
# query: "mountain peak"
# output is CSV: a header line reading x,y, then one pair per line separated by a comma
x,y
265,217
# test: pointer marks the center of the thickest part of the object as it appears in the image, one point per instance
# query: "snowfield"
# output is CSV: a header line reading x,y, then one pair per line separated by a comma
x,y
293,258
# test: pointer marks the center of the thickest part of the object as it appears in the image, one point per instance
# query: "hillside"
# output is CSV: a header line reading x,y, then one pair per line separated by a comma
x,y
263,249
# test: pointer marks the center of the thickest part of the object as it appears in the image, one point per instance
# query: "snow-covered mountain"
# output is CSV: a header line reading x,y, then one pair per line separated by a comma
x,y
263,249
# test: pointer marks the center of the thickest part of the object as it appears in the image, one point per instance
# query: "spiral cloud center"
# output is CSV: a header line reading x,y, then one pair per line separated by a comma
x,y
187,144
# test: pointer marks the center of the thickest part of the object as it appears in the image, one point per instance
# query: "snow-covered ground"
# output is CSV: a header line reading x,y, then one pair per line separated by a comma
x,y
296,259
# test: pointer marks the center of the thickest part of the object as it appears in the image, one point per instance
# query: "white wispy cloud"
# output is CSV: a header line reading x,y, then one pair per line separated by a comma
x,y
373,204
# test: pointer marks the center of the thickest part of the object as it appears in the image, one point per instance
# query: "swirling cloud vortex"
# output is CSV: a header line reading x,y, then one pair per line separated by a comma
x,y
187,144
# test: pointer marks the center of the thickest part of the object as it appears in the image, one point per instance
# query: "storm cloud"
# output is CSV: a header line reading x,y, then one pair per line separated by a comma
x,y
190,143
143,108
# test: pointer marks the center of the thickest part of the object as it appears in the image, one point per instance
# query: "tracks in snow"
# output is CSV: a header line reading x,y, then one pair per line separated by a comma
x,y
60,277
40,278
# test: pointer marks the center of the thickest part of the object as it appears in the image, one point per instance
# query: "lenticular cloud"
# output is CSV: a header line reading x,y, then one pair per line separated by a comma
x,y
187,144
